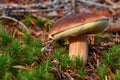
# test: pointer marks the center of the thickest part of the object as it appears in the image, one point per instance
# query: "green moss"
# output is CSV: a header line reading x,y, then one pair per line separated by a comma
x,y
28,21
6,38
39,21
116,76
7,76
79,66
2,29
15,47
66,62
102,72
113,56
5,62
22,52
41,73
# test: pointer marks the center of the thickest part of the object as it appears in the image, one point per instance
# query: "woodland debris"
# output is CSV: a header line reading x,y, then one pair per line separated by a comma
x,y
20,23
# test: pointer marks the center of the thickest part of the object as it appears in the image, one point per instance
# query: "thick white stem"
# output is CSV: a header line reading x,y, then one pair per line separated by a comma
x,y
78,47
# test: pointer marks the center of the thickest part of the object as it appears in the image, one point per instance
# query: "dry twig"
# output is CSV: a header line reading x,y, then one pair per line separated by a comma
x,y
13,19
91,3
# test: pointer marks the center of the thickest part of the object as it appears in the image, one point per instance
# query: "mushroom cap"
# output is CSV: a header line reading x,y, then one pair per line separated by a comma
x,y
76,24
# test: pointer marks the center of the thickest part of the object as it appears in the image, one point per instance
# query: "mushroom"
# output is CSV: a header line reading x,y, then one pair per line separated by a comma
x,y
76,27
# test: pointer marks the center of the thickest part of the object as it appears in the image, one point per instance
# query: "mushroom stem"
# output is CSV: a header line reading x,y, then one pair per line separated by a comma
x,y
78,47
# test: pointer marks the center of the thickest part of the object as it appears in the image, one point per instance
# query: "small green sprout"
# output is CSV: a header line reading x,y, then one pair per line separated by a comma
x,y
79,66
41,73
15,47
102,72
113,56
66,62
7,76
28,21
38,21
6,38
117,76
5,62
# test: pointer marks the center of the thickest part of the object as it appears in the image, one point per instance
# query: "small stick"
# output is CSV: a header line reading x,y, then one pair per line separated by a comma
x,y
20,23
110,2
111,8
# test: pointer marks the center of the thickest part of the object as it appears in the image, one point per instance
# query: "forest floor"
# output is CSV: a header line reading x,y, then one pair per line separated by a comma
x,y
26,53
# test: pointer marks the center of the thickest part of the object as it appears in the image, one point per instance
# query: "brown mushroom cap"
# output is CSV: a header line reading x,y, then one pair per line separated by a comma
x,y
75,24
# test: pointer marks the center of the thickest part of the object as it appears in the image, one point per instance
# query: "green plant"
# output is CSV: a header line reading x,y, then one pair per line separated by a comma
x,y
2,29
108,58
6,38
35,46
79,66
61,54
41,73
7,76
26,75
43,23
48,25
112,56
58,53
79,62
81,72
116,76
15,47
28,21
29,49
102,72
5,62
22,51
66,62
38,21
99,37
26,55
28,40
